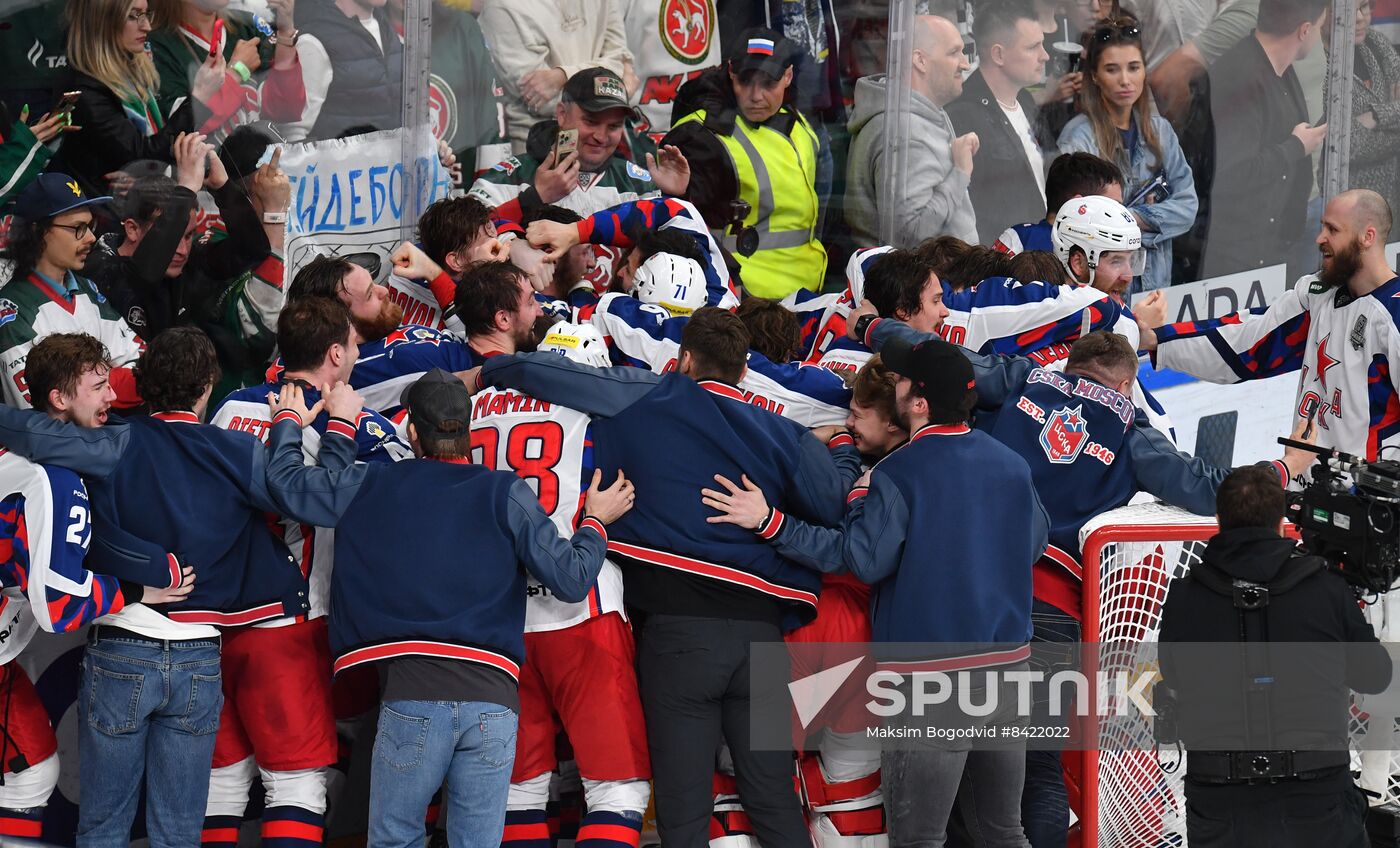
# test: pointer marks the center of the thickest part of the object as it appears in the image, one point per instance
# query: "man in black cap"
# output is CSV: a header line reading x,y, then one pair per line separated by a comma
x,y
955,582
448,639
772,151
593,177
50,240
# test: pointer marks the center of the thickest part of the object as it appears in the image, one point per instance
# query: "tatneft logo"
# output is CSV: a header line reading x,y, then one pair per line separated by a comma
x,y
977,693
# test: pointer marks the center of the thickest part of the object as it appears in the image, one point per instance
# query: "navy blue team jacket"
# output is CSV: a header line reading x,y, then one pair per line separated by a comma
x,y
198,490
946,535
671,435
442,578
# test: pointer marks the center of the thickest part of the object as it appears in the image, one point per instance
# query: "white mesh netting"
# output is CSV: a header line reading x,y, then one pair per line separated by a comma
x,y
1139,550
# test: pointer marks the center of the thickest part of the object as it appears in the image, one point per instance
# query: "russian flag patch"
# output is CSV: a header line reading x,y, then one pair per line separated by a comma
x,y
761,46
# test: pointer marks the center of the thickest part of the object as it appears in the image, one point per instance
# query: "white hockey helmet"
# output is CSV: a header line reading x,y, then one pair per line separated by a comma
x,y
1098,225
674,283
579,342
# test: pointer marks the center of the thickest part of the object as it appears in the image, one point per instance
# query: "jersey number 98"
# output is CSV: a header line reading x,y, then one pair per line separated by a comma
x,y
532,450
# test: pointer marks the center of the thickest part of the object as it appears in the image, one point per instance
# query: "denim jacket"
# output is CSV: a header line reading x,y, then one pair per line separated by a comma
x,y
1165,220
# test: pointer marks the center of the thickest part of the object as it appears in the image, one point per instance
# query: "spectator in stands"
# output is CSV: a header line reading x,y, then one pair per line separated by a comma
x,y
1175,73
776,171
246,314
1116,123
1375,107
153,272
117,113
351,68
595,176
24,149
1071,175
1009,184
1263,176
932,199
264,74
465,103
668,51
539,45
50,241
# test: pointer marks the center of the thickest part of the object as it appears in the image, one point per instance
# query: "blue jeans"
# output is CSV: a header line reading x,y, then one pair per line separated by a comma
x,y
152,708
1045,801
470,744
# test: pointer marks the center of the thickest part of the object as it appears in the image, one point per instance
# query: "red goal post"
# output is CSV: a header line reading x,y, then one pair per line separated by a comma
x,y
1130,556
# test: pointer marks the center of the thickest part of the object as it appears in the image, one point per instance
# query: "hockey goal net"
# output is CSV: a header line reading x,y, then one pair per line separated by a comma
x,y
1130,557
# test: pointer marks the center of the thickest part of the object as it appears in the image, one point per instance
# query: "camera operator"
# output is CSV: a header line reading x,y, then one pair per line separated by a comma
x,y
1267,761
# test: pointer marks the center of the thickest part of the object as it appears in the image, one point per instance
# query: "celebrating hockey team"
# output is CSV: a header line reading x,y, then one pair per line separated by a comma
x,y
699,423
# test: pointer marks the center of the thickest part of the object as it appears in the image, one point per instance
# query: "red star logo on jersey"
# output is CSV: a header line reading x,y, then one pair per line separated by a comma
x,y
1324,362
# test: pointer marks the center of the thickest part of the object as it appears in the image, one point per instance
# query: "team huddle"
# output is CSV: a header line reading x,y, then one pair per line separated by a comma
x,y
546,509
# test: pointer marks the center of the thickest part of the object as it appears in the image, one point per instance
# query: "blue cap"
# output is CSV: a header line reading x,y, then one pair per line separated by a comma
x,y
52,194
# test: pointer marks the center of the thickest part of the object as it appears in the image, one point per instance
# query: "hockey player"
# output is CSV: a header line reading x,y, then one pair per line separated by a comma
x,y
596,702
644,329
698,584
840,781
447,640
625,226
1071,175
456,233
45,531
277,721
902,286
1341,327
932,581
1078,434
391,354
150,694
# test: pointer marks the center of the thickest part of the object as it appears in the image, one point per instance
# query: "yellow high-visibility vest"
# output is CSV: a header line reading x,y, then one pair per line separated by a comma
x,y
777,176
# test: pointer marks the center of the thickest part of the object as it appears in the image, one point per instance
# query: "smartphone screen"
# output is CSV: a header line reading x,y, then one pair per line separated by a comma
x,y
566,143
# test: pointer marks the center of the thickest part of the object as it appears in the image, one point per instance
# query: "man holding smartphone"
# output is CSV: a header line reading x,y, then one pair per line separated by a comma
x,y
573,162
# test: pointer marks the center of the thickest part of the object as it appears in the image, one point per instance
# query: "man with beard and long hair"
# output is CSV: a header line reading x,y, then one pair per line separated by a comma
x,y
392,354
498,309
1338,326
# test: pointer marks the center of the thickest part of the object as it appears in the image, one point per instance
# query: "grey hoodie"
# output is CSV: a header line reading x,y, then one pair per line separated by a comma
x,y
935,200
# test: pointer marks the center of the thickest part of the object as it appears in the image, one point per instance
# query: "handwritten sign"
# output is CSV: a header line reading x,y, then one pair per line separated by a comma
x,y
351,195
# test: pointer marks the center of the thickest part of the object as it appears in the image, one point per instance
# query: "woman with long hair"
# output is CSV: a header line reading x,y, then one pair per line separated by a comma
x,y
117,114
264,72
1116,123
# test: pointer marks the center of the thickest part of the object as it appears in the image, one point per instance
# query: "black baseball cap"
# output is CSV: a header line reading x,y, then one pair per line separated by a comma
x,y
243,148
50,195
762,49
939,371
438,404
596,90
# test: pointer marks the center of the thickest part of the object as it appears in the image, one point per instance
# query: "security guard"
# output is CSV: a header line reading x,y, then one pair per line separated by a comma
x,y
774,152
1267,761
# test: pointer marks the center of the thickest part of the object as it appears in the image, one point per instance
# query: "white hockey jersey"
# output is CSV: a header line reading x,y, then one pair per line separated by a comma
x,y
549,447
645,335
1346,348
246,410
